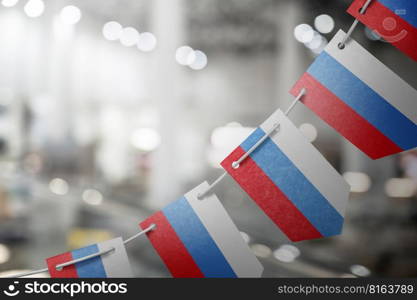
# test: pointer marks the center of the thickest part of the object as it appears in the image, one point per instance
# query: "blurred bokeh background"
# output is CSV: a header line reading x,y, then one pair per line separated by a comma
x,y
110,110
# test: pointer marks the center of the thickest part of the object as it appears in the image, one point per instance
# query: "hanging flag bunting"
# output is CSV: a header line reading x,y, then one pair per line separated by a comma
x,y
361,98
196,238
114,264
291,181
393,20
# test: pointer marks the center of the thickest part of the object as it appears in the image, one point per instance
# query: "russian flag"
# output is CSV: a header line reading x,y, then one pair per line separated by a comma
x,y
114,264
197,238
361,98
393,20
291,181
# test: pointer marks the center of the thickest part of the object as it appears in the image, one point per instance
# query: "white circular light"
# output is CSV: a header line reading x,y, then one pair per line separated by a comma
x,y
147,42
359,270
401,187
185,55
245,236
92,197
70,15
261,250
324,23
4,254
318,46
359,182
284,255
294,250
34,8
309,131
145,139
304,33
129,36
112,30
58,186
200,60
9,3
317,42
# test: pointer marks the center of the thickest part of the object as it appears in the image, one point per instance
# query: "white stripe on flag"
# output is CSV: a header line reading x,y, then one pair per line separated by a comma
x,y
224,233
375,74
308,160
116,263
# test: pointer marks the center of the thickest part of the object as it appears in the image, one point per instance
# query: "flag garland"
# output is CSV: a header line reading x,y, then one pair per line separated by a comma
x,y
282,172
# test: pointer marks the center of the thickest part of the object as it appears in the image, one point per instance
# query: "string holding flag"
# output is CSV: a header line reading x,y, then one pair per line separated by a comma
x,y
290,181
256,145
361,11
103,260
277,166
90,258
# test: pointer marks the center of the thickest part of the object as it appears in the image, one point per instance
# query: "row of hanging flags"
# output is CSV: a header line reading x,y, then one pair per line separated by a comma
x,y
286,175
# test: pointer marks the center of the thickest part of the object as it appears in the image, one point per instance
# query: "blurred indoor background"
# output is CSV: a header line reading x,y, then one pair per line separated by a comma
x,y
110,110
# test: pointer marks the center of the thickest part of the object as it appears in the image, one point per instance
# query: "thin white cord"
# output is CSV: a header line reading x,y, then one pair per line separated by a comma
x,y
28,273
71,262
81,259
354,24
236,164
216,182
275,127
151,227
301,94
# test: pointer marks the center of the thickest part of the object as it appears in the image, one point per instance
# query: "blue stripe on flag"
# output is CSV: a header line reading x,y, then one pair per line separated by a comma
x,y
197,239
292,182
91,268
406,9
364,100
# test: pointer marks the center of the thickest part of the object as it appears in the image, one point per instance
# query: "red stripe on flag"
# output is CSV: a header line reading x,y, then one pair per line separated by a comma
x,y
344,119
170,248
66,272
270,198
400,33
